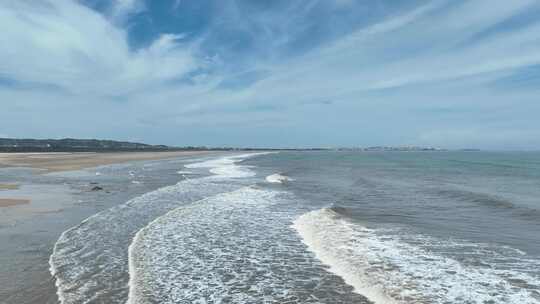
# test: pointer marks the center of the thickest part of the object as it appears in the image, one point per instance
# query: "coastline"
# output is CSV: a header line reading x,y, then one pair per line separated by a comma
x,y
68,161
36,207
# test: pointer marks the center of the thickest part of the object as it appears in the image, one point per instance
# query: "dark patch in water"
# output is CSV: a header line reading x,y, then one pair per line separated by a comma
x,y
340,210
487,200
476,197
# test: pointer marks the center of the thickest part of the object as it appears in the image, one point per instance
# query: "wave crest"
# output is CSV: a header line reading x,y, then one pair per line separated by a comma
x,y
387,269
278,178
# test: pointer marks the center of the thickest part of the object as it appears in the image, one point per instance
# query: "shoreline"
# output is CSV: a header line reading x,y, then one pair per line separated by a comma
x,y
35,208
69,161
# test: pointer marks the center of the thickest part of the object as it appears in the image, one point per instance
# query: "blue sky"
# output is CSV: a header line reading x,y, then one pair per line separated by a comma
x,y
281,73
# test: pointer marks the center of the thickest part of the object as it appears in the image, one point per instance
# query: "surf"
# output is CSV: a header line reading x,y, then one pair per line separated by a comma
x,y
234,247
387,267
278,178
89,262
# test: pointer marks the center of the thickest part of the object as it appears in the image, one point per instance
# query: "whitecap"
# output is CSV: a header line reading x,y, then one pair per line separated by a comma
x,y
278,178
235,247
89,260
227,167
184,172
388,269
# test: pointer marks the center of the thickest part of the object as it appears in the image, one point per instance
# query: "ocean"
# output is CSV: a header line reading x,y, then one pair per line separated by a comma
x,y
315,227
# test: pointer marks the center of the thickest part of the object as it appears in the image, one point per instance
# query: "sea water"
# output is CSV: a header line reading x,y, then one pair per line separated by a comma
x,y
317,227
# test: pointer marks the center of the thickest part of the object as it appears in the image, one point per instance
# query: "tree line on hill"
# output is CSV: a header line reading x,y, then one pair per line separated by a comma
x,y
9,145
79,145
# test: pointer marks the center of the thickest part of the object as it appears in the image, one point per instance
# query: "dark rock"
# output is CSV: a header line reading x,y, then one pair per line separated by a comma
x,y
97,188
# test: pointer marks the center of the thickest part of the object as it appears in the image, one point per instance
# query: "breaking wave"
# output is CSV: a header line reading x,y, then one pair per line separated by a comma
x,y
389,267
278,178
90,260
234,247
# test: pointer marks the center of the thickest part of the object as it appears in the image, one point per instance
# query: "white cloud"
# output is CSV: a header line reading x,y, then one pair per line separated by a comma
x,y
67,45
121,9
360,62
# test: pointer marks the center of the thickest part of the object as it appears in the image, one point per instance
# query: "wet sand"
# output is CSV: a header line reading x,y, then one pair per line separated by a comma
x,y
52,162
9,202
36,207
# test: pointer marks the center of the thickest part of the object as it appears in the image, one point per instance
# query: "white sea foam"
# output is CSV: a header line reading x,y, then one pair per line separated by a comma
x,y
234,247
323,235
89,260
227,167
278,178
389,270
184,172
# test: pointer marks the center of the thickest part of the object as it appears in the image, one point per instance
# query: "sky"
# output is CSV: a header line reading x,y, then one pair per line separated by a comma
x,y
280,73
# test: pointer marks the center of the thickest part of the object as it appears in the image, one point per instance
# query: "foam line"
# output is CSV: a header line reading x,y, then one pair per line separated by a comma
x,y
278,178
88,260
387,269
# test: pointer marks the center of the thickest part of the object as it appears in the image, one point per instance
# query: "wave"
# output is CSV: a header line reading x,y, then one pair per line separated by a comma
x,y
234,247
388,269
517,207
278,178
89,261
226,167
182,172
476,197
312,227
153,248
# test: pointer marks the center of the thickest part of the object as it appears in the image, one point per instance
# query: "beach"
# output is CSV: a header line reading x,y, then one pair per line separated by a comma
x,y
76,161
11,193
44,194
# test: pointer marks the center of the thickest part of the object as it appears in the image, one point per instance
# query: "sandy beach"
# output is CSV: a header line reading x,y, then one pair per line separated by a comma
x,y
55,162
75,161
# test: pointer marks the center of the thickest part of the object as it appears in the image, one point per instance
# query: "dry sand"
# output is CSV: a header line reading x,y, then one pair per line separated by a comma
x,y
76,161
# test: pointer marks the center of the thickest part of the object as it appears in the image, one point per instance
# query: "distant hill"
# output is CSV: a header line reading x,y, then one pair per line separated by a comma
x,y
98,145
393,149
78,145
